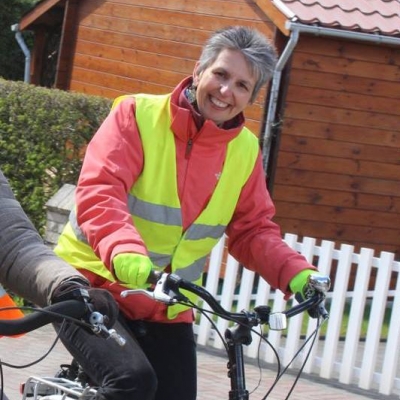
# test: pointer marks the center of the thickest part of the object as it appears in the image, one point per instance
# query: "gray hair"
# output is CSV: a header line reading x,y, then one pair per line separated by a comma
x,y
258,51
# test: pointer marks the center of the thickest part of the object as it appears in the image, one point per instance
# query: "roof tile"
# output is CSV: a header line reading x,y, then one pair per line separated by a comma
x,y
369,16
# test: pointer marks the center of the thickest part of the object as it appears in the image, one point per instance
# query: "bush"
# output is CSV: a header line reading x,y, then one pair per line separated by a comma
x,y
43,136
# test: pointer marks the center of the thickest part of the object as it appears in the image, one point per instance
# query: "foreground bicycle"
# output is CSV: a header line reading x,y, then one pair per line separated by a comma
x,y
168,289
80,312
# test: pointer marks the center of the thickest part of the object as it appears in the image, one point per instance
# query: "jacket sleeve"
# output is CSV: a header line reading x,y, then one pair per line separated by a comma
x,y
256,241
27,266
113,161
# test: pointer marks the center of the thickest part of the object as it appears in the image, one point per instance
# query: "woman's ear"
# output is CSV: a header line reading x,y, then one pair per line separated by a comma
x,y
196,74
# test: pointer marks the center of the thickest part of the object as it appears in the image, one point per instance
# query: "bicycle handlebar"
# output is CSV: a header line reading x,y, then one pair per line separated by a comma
x,y
69,309
167,290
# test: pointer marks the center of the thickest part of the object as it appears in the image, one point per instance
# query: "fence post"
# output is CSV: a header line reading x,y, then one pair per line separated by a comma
x,y
356,315
262,297
376,316
336,310
212,286
325,254
295,324
227,295
391,358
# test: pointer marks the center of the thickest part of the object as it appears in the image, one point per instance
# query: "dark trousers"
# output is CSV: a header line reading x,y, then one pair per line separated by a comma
x,y
158,361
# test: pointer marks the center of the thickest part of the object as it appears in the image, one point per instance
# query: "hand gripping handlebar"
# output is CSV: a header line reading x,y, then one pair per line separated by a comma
x,y
166,290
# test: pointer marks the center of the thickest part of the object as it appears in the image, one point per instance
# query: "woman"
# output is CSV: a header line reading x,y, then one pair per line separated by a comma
x,y
163,178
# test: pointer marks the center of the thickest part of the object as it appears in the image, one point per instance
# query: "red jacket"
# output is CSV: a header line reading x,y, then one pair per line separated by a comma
x,y
113,162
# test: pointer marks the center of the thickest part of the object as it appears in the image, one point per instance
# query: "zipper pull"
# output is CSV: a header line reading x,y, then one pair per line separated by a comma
x,y
189,146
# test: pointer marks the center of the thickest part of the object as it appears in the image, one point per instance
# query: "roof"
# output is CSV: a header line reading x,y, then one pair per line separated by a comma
x,y
46,12
380,17
368,16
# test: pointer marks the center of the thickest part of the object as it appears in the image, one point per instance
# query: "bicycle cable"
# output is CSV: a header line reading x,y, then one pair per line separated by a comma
x,y
259,334
58,315
41,358
1,381
312,337
3,363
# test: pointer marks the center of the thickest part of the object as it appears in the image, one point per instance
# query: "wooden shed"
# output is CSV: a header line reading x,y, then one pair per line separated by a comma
x,y
329,122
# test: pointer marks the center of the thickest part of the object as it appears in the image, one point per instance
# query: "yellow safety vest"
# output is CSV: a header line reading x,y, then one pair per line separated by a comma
x,y
154,202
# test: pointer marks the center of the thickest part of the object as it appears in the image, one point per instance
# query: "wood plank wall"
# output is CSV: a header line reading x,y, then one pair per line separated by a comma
x,y
148,46
338,175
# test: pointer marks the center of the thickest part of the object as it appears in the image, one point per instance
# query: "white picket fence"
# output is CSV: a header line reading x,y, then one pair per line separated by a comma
x,y
369,362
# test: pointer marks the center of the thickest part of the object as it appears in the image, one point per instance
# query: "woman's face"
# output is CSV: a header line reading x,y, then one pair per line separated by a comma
x,y
224,88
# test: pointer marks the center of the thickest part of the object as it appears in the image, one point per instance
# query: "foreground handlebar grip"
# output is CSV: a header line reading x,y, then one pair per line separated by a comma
x,y
55,312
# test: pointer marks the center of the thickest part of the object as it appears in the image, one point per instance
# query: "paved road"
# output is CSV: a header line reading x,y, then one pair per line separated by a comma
x,y
213,383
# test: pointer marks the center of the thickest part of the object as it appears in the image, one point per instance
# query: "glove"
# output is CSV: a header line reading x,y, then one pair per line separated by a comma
x,y
303,289
101,299
132,269
299,282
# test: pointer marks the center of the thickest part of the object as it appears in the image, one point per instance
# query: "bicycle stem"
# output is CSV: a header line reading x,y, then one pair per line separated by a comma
x,y
236,337
236,372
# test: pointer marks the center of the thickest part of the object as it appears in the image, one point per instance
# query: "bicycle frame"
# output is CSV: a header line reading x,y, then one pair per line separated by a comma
x,y
52,388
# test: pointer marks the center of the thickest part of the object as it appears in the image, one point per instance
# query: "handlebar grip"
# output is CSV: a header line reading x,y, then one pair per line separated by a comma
x,y
154,277
316,310
53,313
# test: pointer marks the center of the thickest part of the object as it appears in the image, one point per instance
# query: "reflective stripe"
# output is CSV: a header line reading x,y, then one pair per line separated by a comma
x,y
153,212
202,231
193,271
160,260
75,227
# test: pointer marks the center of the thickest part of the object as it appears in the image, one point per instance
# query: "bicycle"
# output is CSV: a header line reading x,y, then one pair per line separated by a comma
x,y
78,311
167,289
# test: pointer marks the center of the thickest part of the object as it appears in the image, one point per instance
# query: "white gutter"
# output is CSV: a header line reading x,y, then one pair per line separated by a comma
x,y
366,37
297,28
25,50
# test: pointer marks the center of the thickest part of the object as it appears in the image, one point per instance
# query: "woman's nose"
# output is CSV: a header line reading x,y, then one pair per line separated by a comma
x,y
225,88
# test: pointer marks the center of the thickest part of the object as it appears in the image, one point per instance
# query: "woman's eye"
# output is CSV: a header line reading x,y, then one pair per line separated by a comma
x,y
243,86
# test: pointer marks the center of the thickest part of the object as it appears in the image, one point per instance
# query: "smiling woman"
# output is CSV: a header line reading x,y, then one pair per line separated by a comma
x,y
163,179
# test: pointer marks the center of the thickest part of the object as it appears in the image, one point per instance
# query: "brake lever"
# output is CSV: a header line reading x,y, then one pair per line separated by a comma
x,y
161,291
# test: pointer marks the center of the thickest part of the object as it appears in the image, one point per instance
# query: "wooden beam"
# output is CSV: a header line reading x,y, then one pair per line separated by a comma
x,y
36,13
37,55
67,45
275,15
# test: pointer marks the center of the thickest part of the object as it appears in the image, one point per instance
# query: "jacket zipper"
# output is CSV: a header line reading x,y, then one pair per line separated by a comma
x,y
189,146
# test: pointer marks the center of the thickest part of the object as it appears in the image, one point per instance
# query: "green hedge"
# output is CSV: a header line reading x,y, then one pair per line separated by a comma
x,y
43,134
